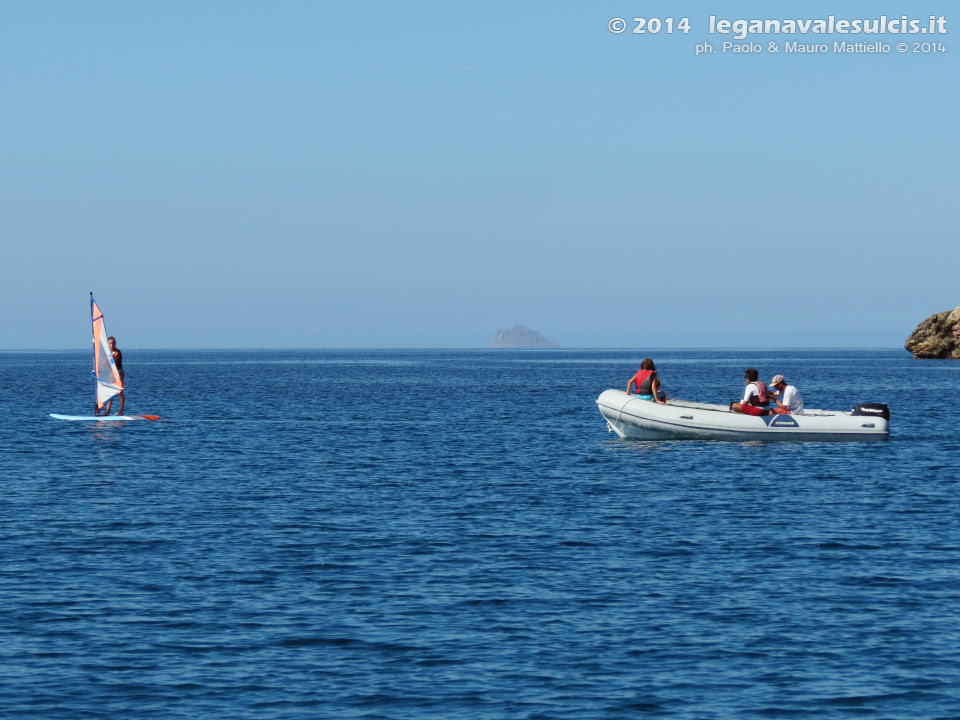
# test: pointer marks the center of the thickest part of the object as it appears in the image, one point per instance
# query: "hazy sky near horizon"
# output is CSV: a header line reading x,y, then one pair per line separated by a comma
x,y
305,174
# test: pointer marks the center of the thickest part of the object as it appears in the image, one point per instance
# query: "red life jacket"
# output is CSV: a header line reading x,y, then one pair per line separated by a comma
x,y
763,395
641,377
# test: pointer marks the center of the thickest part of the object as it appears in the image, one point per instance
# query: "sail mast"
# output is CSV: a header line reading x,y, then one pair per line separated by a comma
x,y
105,372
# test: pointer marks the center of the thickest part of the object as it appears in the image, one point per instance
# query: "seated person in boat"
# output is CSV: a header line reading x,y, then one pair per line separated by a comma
x,y
756,396
646,383
790,401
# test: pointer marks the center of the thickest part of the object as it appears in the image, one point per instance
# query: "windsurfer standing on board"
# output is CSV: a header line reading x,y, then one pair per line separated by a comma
x,y
118,360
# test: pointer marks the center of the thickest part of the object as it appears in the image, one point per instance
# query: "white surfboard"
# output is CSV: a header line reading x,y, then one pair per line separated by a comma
x,y
104,418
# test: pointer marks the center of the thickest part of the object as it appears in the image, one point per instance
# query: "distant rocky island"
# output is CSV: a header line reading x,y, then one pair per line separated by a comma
x,y
520,337
937,337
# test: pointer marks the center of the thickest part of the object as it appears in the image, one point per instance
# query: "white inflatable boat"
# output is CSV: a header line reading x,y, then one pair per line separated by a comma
x,y
631,417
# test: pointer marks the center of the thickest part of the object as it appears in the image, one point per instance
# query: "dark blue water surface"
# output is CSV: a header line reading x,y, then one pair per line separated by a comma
x,y
440,534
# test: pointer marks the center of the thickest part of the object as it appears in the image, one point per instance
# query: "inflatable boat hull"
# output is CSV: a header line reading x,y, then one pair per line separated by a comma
x,y
630,417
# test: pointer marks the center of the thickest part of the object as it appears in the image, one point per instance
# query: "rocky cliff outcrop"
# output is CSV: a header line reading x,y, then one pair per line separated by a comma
x,y
520,337
937,337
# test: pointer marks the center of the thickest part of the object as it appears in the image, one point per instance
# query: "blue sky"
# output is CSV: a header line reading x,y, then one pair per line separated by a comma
x,y
304,174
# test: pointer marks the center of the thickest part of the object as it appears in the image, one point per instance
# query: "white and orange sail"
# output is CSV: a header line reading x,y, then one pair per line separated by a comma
x,y
105,372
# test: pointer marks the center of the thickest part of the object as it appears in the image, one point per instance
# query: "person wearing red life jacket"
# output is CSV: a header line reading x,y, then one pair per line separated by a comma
x,y
646,383
756,396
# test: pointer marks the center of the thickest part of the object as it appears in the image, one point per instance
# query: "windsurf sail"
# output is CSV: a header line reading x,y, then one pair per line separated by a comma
x,y
105,372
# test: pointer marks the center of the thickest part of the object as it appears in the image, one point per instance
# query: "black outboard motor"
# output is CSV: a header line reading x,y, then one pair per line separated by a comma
x,y
872,409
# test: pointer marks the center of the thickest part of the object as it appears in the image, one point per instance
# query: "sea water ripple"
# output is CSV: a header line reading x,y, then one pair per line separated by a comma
x,y
435,534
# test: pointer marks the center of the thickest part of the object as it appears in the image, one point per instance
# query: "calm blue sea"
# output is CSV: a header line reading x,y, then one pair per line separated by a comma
x,y
455,534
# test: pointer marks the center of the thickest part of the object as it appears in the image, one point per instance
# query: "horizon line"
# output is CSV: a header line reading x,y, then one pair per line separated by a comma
x,y
624,348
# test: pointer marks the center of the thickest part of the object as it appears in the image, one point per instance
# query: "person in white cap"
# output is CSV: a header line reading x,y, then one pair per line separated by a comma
x,y
786,396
